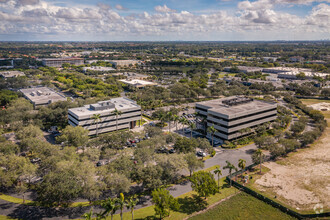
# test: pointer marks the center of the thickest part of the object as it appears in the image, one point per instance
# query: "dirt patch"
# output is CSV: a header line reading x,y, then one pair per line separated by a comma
x,y
323,106
303,179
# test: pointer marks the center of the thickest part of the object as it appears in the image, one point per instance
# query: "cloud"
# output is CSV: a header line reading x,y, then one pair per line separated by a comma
x,y
164,9
103,6
120,7
27,2
104,23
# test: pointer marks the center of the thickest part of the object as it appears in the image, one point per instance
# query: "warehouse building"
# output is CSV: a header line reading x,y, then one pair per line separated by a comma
x,y
232,115
40,96
58,62
83,116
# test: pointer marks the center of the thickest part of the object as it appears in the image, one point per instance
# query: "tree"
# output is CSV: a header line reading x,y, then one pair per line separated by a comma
x,y
230,167
218,172
121,204
193,163
88,215
176,119
211,130
110,207
169,118
75,136
289,144
117,112
203,183
164,202
241,163
96,119
258,157
31,131
192,126
131,203
185,145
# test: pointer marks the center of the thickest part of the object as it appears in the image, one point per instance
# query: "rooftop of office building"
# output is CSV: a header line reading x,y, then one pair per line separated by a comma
x,y
42,95
235,105
120,103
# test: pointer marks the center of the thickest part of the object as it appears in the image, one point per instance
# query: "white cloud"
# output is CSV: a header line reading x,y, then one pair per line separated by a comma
x,y
164,9
259,17
120,7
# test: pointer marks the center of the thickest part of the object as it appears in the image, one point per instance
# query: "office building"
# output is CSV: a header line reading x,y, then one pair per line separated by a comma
x,y
58,62
232,115
40,96
11,74
83,116
137,83
124,63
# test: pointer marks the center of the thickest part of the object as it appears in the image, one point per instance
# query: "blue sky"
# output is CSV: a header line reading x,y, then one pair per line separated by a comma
x,y
124,20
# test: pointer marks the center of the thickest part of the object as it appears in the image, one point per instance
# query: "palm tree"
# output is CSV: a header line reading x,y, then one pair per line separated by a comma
x,y
110,207
176,119
117,112
131,203
212,130
96,119
88,215
260,155
230,167
218,172
241,163
121,204
192,126
182,121
169,118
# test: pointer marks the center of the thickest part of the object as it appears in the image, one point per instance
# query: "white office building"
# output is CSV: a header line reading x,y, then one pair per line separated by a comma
x,y
83,116
233,114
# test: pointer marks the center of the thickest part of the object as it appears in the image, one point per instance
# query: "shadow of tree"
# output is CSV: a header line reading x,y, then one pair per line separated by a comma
x,y
189,205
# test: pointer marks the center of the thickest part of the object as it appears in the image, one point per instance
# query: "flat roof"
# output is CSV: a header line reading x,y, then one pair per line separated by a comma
x,y
217,105
8,74
42,95
59,59
137,82
120,103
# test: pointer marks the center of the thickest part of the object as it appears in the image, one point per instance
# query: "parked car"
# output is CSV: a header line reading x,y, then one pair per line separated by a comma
x,y
201,154
172,151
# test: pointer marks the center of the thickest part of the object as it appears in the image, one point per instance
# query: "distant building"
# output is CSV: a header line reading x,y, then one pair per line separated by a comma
x,y
97,68
231,115
58,62
137,83
296,59
270,59
11,74
124,63
291,72
40,96
130,113
244,69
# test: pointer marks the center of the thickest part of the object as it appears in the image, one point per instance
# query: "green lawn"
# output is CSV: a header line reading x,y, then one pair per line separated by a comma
x,y
243,206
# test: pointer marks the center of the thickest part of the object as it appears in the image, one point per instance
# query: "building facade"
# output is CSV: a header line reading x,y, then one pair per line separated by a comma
x,y
58,62
83,116
234,117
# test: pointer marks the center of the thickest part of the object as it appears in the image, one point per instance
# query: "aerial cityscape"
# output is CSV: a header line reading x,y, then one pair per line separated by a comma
x,y
215,109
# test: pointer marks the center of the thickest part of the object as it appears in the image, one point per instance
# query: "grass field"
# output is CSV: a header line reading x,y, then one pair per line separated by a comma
x,y
242,206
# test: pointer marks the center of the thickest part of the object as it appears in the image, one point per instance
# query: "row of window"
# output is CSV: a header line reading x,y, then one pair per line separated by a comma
x,y
111,120
244,116
103,116
240,124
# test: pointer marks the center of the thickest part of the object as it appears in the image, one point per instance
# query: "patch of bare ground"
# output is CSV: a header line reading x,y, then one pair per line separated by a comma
x,y
303,178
